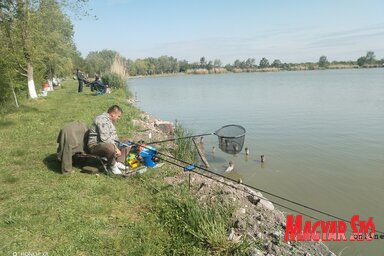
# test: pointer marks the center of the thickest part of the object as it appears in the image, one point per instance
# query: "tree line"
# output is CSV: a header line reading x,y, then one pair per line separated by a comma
x,y
99,61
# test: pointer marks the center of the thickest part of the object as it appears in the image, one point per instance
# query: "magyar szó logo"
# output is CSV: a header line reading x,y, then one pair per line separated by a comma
x,y
330,230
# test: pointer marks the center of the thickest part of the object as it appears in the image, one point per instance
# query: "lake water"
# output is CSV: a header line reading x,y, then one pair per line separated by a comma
x,y
322,133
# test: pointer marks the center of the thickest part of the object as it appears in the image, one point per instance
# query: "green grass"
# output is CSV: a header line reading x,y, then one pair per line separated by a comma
x,y
42,210
184,149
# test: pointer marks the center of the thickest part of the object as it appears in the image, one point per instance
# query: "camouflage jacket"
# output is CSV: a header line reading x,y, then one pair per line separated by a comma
x,y
102,130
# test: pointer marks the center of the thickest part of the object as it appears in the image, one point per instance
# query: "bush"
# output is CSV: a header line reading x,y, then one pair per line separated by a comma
x,y
114,80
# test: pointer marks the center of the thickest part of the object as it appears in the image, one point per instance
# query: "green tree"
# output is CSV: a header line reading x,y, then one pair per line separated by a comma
x,y
276,64
7,64
168,64
229,67
323,62
264,63
370,58
141,67
57,40
38,37
250,63
209,65
18,21
361,61
237,63
78,61
203,62
131,68
183,65
243,64
8,85
217,63
100,62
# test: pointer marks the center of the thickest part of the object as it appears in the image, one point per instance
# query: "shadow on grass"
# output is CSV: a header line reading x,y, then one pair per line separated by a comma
x,y
5,123
52,164
92,164
22,109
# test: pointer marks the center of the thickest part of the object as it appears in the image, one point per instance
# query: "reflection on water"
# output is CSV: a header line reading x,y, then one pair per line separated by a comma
x,y
321,133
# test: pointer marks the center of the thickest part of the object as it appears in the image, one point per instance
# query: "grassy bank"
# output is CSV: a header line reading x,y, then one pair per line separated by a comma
x,y
44,211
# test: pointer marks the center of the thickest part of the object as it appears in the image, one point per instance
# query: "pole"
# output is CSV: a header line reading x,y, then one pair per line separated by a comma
x,y
187,137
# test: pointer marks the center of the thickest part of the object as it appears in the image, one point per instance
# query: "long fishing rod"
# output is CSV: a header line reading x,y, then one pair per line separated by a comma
x,y
247,192
180,138
264,191
231,139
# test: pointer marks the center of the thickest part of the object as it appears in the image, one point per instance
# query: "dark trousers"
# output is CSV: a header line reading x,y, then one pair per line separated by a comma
x,y
81,84
108,150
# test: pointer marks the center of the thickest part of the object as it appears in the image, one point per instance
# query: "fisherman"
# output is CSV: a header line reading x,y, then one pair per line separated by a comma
x,y
103,139
98,86
81,78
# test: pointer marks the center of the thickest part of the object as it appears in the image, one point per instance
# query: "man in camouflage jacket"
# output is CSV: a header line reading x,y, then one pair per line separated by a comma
x,y
103,139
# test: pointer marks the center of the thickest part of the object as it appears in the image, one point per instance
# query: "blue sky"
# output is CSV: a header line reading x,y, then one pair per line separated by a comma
x,y
289,30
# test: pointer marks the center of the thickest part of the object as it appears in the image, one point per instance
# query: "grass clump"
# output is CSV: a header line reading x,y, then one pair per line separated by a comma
x,y
204,229
184,147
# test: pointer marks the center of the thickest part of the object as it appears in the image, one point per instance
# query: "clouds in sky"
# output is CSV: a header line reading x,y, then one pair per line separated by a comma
x,y
226,30
287,45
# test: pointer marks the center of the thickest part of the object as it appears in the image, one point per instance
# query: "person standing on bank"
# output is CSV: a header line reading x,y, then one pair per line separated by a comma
x,y
81,78
102,140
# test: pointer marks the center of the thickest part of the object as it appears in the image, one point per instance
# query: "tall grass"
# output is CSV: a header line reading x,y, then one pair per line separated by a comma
x,y
203,228
184,147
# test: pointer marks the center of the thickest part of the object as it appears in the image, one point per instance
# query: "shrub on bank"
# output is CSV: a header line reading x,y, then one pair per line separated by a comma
x,y
114,80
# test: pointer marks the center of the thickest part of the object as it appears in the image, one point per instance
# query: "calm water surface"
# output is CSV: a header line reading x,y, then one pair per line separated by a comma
x,y
322,133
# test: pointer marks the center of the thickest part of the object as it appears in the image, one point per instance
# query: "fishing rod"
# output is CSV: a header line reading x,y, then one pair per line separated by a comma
x,y
230,141
191,167
180,138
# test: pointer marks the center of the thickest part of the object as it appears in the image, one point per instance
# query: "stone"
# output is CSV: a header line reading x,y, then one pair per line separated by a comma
x,y
253,199
165,127
279,216
257,198
231,235
265,203
239,224
256,252
276,234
